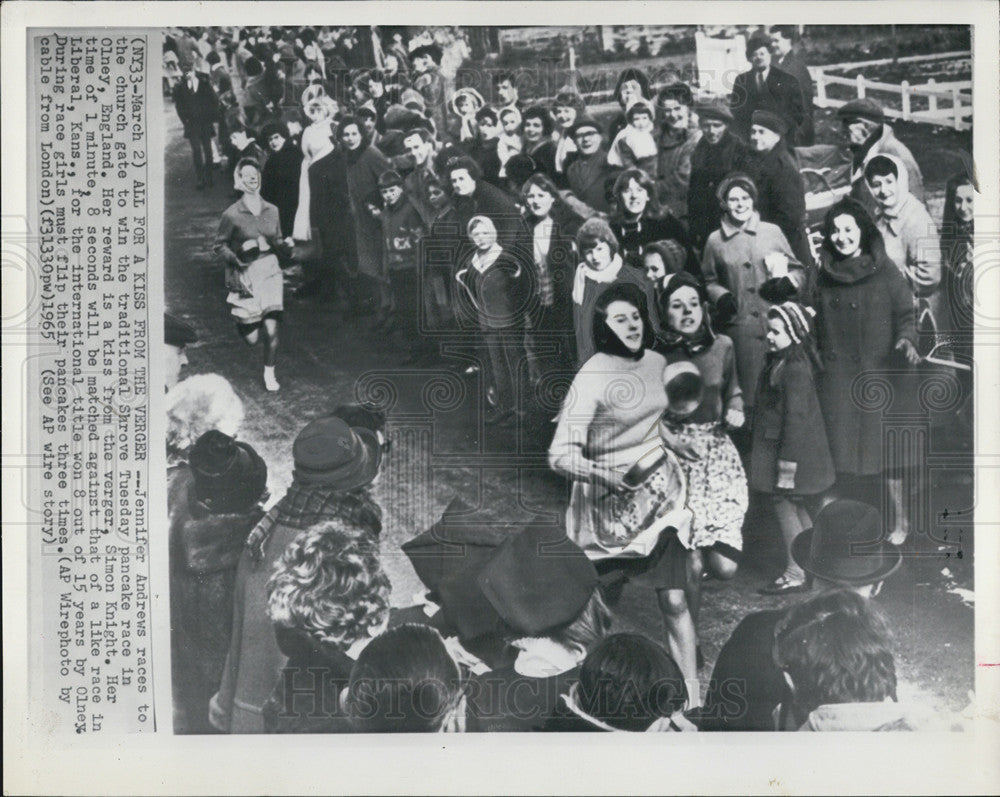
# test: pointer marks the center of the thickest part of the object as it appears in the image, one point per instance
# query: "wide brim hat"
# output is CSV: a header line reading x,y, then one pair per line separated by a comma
x,y
845,546
538,581
329,452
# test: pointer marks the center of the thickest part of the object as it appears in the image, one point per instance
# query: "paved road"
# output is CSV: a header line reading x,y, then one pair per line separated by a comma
x,y
440,450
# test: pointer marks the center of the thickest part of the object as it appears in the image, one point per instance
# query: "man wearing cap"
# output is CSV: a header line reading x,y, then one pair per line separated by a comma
x,y
334,463
870,135
676,143
590,176
765,87
844,550
717,154
213,503
176,335
781,197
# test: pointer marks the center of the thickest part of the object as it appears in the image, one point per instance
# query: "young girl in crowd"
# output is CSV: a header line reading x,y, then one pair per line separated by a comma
x,y
635,146
494,286
602,267
790,457
320,110
697,434
509,142
566,108
465,104
536,130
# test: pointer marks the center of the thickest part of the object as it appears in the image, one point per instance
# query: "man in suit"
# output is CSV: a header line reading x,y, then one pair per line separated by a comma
x,y
784,58
198,108
766,88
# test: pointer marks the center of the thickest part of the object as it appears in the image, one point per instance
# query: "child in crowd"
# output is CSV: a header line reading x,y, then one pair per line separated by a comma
x,y
509,142
402,230
465,104
601,268
790,457
634,145
405,681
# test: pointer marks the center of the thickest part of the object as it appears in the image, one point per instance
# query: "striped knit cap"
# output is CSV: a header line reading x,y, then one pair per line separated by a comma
x,y
796,318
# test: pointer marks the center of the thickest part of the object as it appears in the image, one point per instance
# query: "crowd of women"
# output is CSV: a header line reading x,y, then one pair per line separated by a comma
x,y
659,262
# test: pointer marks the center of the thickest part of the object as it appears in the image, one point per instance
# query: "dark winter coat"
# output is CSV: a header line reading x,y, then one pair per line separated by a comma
x,y
402,229
797,68
363,169
198,111
781,95
280,183
330,205
306,695
560,262
590,178
788,427
497,297
781,196
634,236
864,307
710,164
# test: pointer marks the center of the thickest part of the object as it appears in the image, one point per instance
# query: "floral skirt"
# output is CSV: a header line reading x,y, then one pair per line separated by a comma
x,y
716,486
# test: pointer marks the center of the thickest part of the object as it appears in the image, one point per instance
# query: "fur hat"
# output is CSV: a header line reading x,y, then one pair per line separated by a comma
x,y
582,122
229,477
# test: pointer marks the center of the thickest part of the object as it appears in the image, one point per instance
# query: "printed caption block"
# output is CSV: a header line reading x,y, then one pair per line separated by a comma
x,y
89,140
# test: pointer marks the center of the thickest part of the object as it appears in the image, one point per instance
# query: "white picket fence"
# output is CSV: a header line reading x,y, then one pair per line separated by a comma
x,y
957,95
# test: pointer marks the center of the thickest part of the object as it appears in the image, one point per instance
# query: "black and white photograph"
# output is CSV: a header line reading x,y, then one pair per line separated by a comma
x,y
569,378
457,397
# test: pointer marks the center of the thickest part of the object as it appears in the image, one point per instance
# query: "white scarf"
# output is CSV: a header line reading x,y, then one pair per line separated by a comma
x,y
483,260
585,272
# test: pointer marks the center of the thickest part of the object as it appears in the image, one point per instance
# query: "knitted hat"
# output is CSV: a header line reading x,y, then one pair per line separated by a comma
x,y
538,580
771,121
673,254
228,476
744,181
864,108
389,178
176,332
272,128
716,109
327,451
585,122
796,318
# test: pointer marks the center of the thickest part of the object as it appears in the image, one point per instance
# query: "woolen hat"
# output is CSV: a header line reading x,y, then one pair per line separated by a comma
x,y
845,545
389,178
329,452
228,476
770,120
717,109
744,181
582,122
177,332
863,108
796,317
538,580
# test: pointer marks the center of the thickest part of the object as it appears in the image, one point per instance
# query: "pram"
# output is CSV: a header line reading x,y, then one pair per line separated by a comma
x,y
826,173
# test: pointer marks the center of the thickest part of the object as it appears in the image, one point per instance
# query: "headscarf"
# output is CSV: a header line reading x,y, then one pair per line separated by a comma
x,y
469,129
